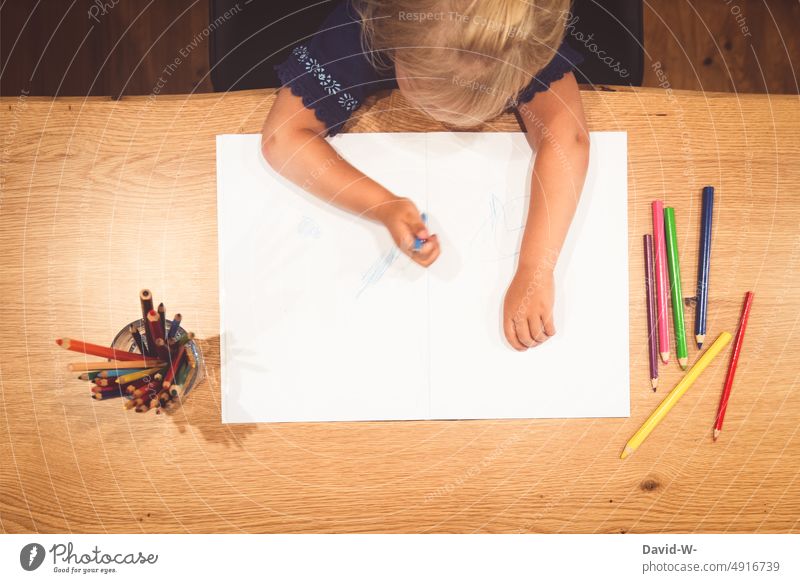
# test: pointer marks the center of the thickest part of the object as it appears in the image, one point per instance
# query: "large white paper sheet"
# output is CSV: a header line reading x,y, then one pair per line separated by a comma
x,y
323,320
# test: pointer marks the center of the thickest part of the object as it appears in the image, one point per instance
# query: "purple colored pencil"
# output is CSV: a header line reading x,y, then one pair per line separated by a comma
x,y
652,323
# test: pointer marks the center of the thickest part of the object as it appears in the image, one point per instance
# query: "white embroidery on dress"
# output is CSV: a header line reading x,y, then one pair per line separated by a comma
x,y
328,83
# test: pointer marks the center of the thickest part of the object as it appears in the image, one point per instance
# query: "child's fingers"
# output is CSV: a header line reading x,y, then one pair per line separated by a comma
x,y
549,325
523,332
419,228
428,253
511,335
537,329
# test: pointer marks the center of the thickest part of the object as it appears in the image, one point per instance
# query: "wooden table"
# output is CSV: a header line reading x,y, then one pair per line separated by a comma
x,y
101,198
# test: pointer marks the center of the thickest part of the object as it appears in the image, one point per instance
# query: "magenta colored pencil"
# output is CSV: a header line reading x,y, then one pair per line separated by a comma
x,y
662,279
652,326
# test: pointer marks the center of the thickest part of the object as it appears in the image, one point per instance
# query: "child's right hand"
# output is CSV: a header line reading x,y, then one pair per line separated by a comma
x,y
405,224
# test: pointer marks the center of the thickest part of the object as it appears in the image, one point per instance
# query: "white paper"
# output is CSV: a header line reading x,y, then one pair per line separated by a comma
x,y
323,320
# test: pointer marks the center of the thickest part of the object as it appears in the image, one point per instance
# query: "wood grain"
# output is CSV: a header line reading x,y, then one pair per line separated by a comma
x,y
86,184
135,47
741,46
55,48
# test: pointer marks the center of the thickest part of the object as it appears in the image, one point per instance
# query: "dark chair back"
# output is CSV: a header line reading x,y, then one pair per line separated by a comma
x,y
247,40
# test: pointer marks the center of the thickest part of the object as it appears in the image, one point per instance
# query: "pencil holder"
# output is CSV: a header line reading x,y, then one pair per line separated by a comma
x,y
124,341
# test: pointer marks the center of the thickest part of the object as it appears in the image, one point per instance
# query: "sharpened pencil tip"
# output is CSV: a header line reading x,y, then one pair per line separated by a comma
x,y
625,452
716,434
683,362
699,346
665,357
654,384
700,339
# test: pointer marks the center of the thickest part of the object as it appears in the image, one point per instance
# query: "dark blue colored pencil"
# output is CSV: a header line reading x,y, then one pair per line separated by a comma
x,y
703,264
174,325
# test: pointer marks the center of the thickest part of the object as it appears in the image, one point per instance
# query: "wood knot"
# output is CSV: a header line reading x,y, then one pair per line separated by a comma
x,y
649,485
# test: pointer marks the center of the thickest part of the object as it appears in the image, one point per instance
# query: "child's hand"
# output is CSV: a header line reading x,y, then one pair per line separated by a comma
x,y
528,308
405,224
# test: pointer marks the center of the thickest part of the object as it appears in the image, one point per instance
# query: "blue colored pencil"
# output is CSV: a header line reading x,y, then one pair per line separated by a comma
x,y
174,325
703,264
418,243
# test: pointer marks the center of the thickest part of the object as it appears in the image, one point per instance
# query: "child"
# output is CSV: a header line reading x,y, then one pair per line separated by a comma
x,y
462,62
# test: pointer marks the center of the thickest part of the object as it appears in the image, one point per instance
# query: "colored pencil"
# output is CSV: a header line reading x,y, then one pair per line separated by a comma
x,y
106,377
652,326
150,389
100,393
146,300
191,359
108,373
96,349
173,368
188,337
675,286
418,243
662,279
137,384
703,264
138,341
675,394
152,386
113,364
135,376
183,373
157,332
154,323
737,348
162,316
162,349
174,325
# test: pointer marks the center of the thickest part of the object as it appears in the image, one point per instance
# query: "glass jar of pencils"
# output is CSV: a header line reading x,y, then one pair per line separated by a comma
x,y
131,339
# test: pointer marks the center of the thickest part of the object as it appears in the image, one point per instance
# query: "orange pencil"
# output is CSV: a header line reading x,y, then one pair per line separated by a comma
x,y
737,347
96,349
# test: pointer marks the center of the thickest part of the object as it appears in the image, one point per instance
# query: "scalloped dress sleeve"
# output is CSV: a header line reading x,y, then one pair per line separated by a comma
x,y
331,72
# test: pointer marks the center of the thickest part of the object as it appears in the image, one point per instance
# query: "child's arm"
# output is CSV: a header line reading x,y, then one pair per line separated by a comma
x,y
293,144
557,130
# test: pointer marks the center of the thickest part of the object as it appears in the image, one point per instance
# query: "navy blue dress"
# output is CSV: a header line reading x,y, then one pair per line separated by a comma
x,y
333,75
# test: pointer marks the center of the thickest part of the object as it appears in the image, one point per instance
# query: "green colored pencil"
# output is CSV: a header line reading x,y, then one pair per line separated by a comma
x,y
675,286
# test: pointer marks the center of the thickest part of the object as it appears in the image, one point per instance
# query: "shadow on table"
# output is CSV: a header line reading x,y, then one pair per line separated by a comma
x,y
201,408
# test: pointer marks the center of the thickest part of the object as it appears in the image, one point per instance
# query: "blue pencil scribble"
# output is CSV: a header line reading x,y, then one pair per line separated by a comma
x,y
376,271
497,222
309,228
493,210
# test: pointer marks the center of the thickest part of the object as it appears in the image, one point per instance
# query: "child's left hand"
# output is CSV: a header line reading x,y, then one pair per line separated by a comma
x,y
528,308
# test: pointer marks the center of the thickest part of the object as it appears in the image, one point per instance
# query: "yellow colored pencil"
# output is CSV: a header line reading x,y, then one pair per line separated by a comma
x,y
114,364
675,394
135,376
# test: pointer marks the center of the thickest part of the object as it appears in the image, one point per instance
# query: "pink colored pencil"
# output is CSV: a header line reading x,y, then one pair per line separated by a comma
x,y
662,279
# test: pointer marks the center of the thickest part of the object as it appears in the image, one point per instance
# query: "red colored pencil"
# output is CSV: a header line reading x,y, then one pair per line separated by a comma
x,y
101,393
97,350
157,332
737,348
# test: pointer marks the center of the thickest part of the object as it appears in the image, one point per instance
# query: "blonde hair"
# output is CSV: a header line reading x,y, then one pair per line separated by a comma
x,y
463,60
